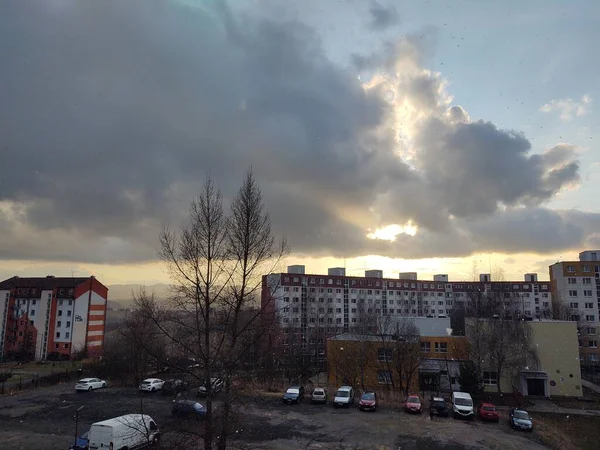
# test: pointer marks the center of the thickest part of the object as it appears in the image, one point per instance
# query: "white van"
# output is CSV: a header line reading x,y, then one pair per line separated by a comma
x,y
462,405
344,396
124,432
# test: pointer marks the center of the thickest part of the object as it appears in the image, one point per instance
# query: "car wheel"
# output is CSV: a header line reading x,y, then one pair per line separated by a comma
x,y
90,388
103,385
152,390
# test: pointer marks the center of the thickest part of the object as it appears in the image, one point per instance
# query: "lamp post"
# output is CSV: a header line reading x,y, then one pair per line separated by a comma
x,y
77,425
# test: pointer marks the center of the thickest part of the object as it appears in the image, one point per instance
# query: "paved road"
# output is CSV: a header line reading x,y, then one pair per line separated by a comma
x,y
43,418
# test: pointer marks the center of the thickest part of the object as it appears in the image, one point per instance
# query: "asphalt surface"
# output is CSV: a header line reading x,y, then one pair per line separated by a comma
x,y
44,419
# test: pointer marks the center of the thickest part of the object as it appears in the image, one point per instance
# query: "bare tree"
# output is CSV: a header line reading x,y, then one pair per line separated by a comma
x,y
216,263
407,355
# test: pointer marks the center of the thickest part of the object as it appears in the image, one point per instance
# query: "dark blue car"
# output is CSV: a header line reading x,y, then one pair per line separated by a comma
x,y
82,442
294,394
188,408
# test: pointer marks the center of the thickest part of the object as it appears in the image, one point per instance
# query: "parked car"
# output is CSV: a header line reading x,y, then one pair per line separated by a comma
x,y
487,411
128,431
89,384
188,408
216,386
173,387
294,394
151,385
82,442
462,405
438,407
520,419
344,396
368,401
319,395
413,404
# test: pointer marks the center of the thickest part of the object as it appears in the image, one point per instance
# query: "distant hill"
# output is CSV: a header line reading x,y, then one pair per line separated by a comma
x,y
120,295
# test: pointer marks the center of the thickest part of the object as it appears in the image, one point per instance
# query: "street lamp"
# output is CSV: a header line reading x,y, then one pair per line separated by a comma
x,y
77,425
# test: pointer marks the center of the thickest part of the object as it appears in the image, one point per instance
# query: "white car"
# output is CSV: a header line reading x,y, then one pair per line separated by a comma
x,y
151,384
89,384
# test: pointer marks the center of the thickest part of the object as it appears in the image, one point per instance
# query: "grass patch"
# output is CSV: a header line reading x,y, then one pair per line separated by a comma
x,y
567,432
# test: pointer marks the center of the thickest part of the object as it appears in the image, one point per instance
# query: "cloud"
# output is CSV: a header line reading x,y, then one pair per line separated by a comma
x,y
569,108
113,114
382,17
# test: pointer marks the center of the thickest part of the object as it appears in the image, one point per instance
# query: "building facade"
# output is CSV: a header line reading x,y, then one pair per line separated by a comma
x,y
308,309
429,360
576,290
50,316
550,370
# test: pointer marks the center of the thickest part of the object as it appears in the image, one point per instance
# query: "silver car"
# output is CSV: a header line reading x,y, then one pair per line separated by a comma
x,y
89,384
319,395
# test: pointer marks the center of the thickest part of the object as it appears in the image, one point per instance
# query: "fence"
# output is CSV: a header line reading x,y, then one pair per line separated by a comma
x,y
23,382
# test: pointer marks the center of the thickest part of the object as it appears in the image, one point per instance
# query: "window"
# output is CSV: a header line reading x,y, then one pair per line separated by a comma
x,y
572,280
329,291
425,346
490,378
571,269
338,291
593,344
69,313
32,313
60,312
443,347
587,293
384,354
58,324
66,346
591,330
286,299
295,299
295,289
286,289
585,268
295,310
33,302
369,292
338,310
590,318
70,302
67,335
572,293
384,377
589,305
587,281
574,305
58,335
545,295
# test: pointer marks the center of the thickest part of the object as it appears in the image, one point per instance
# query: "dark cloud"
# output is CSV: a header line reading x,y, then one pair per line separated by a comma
x,y
112,113
382,17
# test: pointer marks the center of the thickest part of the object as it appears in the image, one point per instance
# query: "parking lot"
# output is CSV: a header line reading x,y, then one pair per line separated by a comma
x,y
44,419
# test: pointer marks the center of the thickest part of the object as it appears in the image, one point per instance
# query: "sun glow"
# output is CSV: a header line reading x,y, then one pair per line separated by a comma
x,y
390,232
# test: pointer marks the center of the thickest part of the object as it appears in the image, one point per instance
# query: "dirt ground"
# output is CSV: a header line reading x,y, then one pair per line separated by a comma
x,y
44,419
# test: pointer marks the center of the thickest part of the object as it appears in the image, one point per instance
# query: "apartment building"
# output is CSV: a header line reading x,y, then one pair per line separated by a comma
x,y
51,316
309,308
576,288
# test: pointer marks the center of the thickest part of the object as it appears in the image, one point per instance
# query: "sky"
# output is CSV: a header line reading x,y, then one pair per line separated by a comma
x,y
395,135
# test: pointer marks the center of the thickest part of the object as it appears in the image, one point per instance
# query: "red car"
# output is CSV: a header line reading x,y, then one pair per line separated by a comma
x,y
487,411
413,404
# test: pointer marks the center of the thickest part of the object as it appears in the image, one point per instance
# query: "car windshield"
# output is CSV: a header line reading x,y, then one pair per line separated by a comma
x,y
489,408
438,403
463,401
413,400
368,396
342,394
318,392
293,391
521,415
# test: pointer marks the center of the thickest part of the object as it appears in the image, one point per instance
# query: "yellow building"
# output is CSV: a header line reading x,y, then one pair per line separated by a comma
x,y
403,363
552,369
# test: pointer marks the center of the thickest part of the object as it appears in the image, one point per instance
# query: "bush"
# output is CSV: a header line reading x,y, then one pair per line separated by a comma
x,y
469,379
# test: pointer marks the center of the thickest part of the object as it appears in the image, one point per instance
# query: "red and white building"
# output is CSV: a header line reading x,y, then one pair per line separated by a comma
x,y
49,315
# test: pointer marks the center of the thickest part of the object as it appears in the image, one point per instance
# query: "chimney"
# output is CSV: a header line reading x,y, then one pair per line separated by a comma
x,y
408,275
336,271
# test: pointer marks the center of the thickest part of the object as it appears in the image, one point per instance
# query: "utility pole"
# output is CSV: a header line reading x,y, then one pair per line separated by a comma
x,y
77,426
